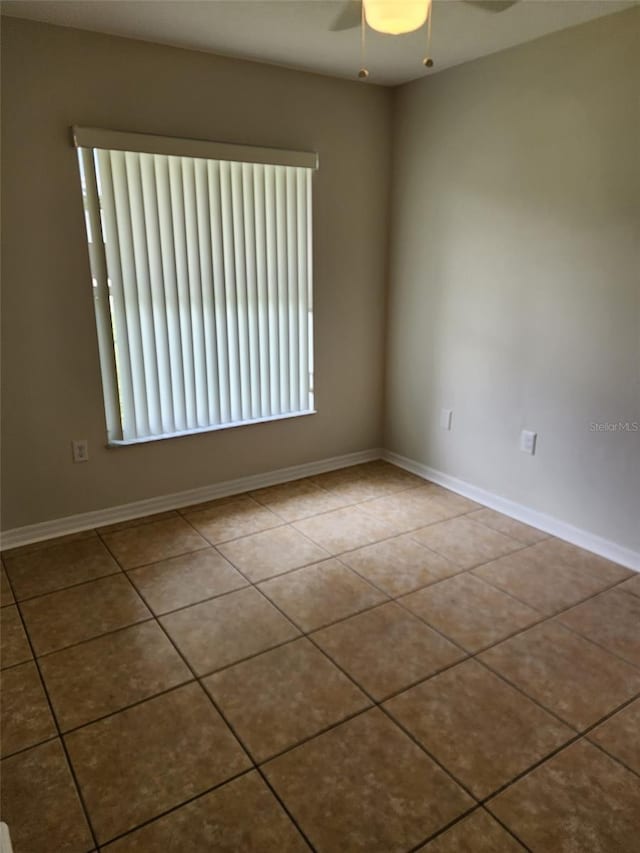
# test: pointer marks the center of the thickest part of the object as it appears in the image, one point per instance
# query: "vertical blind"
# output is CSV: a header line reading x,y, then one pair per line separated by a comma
x,y
202,280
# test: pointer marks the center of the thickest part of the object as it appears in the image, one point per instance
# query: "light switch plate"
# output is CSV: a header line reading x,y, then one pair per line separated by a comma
x,y
80,450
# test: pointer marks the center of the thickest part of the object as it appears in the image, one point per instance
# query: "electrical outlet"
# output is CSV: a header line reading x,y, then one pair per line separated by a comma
x,y
528,441
80,450
445,418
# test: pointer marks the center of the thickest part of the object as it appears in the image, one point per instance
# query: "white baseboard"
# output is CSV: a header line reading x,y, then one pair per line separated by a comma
x,y
604,547
88,520
125,512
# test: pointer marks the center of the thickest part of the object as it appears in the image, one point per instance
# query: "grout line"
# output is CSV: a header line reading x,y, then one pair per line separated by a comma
x,y
467,653
325,730
127,707
285,809
376,704
91,639
349,502
427,839
610,755
536,764
507,829
63,745
163,613
242,744
100,534
545,707
308,636
580,737
177,807
223,717
558,613
70,586
479,808
22,749
215,543
323,559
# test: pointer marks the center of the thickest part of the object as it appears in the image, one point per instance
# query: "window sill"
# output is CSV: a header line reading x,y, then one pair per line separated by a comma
x,y
112,443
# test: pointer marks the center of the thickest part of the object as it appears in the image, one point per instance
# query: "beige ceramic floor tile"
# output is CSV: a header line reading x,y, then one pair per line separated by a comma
x,y
298,499
82,612
233,519
509,526
283,696
242,816
466,543
14,646
185,580
484,732
148,543
542,582
469,611
386,649
365,786
225,630
40,803
6,596
580,800
399,565
106,674
345,529
137,764
578,681
320,594
48,569
620,735
612,620
406,510
478,833
24,711
272,552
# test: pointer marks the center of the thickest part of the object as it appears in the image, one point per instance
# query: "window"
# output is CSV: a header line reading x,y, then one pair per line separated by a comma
x,y
202,278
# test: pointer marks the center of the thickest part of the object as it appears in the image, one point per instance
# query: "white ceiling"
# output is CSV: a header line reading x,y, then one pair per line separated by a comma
x,y
297,33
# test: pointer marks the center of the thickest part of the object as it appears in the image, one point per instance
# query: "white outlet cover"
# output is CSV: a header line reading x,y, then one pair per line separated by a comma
x,y
445,418
528,440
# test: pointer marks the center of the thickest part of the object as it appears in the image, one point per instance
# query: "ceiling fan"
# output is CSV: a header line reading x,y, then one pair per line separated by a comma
x,y
350,16
395,17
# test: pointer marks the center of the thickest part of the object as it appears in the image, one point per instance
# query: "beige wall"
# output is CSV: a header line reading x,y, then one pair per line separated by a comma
x,y
513,296
514,286
55,77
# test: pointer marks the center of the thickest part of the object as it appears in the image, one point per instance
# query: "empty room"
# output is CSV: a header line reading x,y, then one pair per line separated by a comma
x,y
320,471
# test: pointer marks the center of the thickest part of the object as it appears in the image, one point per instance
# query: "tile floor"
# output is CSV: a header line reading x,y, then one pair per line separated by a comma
x,y
359,661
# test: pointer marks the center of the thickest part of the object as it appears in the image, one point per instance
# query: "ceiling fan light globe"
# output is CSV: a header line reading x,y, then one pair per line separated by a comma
x,y
394,17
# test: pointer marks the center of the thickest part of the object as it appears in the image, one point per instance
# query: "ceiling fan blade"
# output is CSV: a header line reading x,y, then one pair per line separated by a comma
x,y
492,5
349,16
